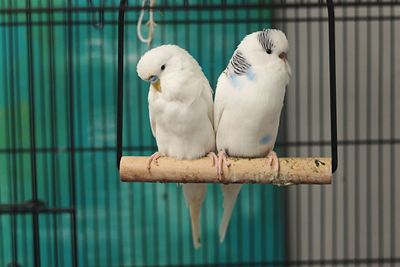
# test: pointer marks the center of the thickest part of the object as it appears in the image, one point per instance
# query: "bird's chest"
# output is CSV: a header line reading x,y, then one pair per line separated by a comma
x,y
258,104
172,115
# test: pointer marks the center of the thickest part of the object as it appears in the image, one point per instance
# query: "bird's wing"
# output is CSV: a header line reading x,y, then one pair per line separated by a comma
x,y
152,124
221,95
151,115
207,95
201,89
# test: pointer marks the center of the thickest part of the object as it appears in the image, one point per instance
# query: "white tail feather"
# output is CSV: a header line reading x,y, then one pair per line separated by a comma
x,y
194,196
230,193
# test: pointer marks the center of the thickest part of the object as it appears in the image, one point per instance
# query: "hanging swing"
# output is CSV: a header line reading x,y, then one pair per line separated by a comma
x,y
294,170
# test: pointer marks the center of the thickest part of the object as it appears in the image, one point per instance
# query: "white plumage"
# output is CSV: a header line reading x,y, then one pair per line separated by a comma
x,y
181,114
248,102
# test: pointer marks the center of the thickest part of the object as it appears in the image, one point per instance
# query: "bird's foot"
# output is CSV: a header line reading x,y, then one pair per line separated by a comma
x,y
222,159
214,158
273,162
154,158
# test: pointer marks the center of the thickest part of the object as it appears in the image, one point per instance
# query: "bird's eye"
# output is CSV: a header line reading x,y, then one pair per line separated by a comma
x,y
163,67
269,51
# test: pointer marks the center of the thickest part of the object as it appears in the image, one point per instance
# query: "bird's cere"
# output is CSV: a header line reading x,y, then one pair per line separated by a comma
x,y
155,82
153,79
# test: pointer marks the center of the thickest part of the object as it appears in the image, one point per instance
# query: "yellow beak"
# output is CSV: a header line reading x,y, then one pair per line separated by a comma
x,y
157,85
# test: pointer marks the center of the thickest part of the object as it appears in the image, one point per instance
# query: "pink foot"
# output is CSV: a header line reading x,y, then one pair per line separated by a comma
x,y
154,158
222,159
214,158
273,162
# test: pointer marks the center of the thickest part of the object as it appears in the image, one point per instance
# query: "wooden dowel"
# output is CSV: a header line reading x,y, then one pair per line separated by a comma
x,y
169,170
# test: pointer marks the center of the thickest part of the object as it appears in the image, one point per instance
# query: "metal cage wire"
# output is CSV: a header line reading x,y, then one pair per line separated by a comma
x,y
354,213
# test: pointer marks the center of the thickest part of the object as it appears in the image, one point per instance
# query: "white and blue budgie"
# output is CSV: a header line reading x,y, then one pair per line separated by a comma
x,y
248,103
181,115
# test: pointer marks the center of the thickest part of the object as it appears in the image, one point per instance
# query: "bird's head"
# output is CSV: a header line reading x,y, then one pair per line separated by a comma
x,y
268,46
158,62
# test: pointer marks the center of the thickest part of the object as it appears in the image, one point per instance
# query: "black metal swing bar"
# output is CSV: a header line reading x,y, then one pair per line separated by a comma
x,y
332,76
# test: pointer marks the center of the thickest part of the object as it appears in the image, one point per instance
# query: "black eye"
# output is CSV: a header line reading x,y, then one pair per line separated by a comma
x,y
269,51
163,67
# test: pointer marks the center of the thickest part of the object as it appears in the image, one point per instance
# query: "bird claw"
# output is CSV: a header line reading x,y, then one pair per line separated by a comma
x,y
153,158
273,162
222,159
214,158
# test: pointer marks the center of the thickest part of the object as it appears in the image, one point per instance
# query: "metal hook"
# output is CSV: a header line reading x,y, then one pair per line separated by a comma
x,y
100,23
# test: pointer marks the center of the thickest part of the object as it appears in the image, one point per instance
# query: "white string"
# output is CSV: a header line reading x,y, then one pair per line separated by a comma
x,y
150,23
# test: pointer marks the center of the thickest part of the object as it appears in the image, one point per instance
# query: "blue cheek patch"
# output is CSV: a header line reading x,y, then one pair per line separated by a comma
x,y
265,140
250,74
233,78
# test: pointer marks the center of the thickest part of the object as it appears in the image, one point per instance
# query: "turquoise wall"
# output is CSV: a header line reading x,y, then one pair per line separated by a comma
x,y
118,224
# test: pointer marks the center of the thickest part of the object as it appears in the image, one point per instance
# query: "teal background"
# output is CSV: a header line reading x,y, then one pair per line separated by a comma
x,y
118,224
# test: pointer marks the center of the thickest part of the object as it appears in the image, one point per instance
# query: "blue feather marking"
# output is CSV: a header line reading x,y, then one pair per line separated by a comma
x,y
265,139
238,64
233,78
250,74
238,67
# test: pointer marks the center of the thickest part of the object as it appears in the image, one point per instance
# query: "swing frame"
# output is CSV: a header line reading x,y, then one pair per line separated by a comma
x,y
295,170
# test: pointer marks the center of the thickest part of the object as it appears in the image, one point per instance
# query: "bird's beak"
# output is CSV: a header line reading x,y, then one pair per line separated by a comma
x,y
155,82
157,85
283,56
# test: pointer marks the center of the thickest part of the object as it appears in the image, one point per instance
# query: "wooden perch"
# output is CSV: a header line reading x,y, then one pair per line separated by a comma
x,y
169,170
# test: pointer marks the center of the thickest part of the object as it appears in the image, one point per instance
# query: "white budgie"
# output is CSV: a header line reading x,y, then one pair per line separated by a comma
x,y
248,103
181,115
